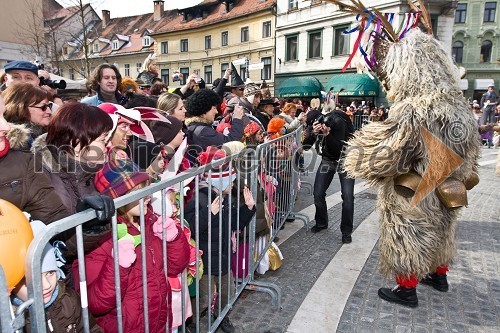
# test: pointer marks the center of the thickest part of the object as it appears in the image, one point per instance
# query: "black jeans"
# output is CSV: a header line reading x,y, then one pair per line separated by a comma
x,y
324,177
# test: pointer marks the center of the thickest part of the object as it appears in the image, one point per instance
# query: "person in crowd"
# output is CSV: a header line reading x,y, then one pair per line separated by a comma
x,y
488,103
19,72
253,135
202,109
276,128
117,178
128,84
139,99
105,81
29,106
71,152
173,105
188,89
266,111
149,70
27,189
63,310
219,85
158,88
335,130
211,199
237,86
288,113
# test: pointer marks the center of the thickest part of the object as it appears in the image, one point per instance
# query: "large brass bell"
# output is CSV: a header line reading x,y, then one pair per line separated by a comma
x,y
452,193
406,184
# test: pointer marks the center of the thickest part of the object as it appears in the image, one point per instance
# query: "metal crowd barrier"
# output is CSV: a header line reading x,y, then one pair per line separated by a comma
x,y
271,173
360,121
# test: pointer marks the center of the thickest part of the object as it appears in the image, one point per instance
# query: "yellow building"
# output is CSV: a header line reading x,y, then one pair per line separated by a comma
x,y
204,39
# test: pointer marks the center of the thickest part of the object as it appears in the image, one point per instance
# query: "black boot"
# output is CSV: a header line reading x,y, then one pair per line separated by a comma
x,y
437,281
400,295
226,326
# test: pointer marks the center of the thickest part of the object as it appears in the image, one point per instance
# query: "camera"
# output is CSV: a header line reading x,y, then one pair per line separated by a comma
x,y
327,121
54,84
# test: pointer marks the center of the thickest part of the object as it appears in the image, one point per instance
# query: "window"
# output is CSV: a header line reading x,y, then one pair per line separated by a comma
x,y
223,68
138,66
341,42
244,34
164,47
96,47
116,45
457,52
266,29
314,49
146,41
61,72
208,74
65,50
293,4
266,71
224,38
127,69
165,76
208,42
460,13
486,51
292,45
315,2
184,45
490,11
71,74
185,74
243,72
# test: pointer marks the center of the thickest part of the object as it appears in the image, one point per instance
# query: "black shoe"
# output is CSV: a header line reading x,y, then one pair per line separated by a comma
x,y
226,326
400,295
437,281
318,228
346,239
290,219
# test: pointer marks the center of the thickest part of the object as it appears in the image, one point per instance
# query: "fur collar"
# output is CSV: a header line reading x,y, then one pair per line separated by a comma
x,y
19,137
192,120
40,148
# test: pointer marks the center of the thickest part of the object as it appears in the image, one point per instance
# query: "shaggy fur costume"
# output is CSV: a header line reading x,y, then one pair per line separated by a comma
x,y
424,87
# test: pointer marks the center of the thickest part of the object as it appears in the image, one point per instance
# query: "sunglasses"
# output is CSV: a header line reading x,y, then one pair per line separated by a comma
x,y
43,107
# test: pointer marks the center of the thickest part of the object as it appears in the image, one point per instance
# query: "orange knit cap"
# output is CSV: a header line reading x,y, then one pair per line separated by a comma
x,y
275,125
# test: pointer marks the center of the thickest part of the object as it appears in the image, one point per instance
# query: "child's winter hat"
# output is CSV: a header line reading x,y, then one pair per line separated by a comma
x,y
251,129
49,262
275,125
118,176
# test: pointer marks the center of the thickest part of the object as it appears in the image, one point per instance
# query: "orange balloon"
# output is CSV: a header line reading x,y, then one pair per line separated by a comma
x,y
15,238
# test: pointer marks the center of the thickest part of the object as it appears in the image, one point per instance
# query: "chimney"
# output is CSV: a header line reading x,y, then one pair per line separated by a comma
x,y
105,17
158,9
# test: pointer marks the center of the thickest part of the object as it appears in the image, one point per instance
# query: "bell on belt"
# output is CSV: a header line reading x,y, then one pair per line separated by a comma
x,y
406,184
452,193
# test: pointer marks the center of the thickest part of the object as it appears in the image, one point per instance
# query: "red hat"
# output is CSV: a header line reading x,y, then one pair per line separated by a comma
x,y
251,128
118,176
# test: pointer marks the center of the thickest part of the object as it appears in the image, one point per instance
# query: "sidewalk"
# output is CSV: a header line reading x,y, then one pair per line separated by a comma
x,y
328,287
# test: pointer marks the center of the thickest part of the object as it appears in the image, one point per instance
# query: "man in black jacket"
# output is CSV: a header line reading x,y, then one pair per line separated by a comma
x,y
332,131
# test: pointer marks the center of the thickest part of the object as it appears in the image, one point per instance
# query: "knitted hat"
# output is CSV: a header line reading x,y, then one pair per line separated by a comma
x,y
251,89
118,176
233,147
275,125
164,132
224,176
49,262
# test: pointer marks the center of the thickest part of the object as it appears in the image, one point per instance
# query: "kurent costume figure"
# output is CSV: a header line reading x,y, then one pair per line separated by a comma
x,y
422,158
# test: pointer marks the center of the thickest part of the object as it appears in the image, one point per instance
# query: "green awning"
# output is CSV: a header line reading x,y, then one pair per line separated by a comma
x,y
303,86
354,85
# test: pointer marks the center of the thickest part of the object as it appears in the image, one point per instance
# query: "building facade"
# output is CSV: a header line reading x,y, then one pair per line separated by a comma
x,y
206,38
475,45
311,47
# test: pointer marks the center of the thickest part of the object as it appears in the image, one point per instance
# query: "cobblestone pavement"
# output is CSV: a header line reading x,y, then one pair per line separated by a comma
x,y
473,302
305,256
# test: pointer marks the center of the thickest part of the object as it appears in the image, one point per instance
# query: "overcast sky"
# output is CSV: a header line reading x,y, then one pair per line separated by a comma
x,y
129,7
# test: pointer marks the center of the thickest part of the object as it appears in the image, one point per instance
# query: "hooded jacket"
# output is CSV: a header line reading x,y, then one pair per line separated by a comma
x,y
341,129
245,215
23,183
65,314
101,281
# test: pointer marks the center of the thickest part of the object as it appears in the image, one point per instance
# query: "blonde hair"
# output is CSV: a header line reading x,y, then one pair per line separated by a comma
x,y
149,60
288,108
168,102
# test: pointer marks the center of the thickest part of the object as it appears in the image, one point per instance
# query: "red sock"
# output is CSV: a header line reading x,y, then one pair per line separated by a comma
x,y
441,270
407,281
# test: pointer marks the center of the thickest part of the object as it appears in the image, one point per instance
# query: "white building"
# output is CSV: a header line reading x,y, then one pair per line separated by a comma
x,y
311,48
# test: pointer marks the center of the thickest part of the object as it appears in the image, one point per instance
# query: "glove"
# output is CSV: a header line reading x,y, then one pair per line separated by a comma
x,y
126,250
170,227
103,205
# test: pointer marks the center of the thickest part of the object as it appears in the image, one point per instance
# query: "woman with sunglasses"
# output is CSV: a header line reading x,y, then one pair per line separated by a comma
x,y
28,106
